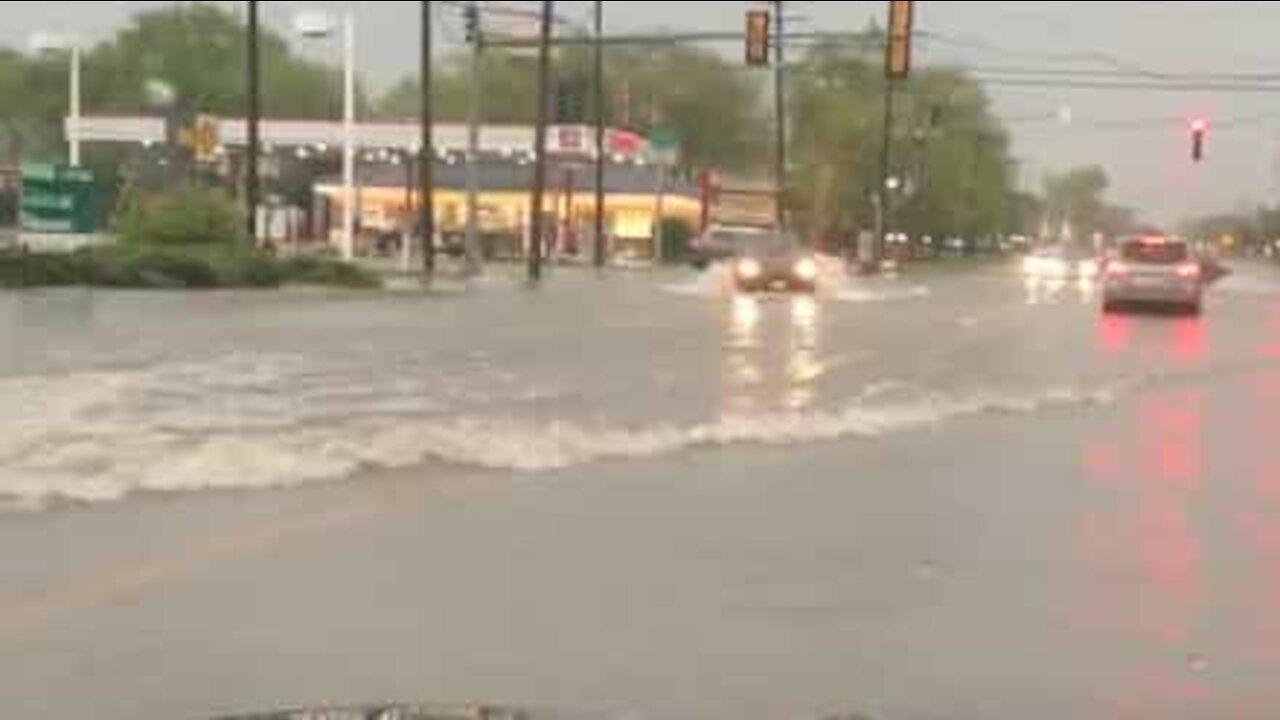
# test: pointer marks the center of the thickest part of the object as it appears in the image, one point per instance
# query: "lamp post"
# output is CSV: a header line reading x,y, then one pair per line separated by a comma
x,y
320,25
51,42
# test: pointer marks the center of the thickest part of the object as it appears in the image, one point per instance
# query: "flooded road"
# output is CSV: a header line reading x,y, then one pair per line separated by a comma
x,y
949,496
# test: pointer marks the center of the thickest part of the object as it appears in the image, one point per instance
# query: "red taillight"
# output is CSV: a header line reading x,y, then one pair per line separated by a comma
x,y
1189,271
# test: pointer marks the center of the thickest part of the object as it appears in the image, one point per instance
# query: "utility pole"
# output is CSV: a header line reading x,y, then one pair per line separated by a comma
x,y
251,191
426,151
540,140
74,103
884,195
897,68
349,194
475,36
599,249
780,110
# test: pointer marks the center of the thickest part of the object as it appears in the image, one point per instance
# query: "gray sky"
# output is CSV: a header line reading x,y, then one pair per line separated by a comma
x,y
1136,134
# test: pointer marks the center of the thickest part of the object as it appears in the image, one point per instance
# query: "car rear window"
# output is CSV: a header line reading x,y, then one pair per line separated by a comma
x,y
1165,253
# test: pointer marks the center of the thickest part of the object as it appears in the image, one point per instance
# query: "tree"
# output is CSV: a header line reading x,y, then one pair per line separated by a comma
x,y
506,87
200,50
710,105
948,147
1076,198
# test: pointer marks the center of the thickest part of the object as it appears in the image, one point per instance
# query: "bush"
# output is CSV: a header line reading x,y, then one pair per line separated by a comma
x,y
322,271
676,236
196,267
185,217
20,269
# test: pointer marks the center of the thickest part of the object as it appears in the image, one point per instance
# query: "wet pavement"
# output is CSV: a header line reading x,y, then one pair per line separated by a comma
x,y
953,495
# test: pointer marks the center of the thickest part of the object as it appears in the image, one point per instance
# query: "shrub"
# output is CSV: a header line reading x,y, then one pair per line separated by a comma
x,y
322,271
676,235
20,269
189,216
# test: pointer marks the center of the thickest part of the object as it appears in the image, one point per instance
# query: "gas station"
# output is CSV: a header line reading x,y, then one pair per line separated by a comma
x,y
640,183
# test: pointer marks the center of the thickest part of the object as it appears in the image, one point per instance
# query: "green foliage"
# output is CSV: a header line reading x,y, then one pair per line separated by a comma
x,y
327,272
711,104
196,47
175,267
1076,196
199,48
676,234
949,148
184,217
20,269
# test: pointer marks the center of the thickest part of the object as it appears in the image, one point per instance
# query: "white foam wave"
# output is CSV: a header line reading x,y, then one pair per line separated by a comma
x,y
851,294
104,463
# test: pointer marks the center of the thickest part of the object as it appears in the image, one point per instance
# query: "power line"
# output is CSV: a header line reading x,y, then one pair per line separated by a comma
x,y
1122,74
1052,83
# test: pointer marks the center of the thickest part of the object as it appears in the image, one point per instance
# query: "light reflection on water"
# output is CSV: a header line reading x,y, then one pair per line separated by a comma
x,y
773,354
1144,554
1050,291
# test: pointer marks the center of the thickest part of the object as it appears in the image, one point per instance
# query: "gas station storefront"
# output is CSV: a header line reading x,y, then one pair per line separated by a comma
x,y
639,187
504,215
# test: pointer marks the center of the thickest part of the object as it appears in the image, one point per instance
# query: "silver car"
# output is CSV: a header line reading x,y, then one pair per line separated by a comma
x,y
1154,271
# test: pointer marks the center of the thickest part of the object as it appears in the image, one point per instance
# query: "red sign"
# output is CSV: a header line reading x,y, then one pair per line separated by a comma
x,y
621,142
571,139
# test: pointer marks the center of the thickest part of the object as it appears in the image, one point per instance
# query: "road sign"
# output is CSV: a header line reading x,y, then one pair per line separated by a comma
x,y
204,139
664,146
57,200
901,26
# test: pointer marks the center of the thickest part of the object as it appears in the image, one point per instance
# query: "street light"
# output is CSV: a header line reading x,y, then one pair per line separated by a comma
x,y
317,25
50,42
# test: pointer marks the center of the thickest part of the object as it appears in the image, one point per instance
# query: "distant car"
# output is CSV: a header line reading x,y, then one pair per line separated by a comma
x,y
1061,262
723,242
775,262
1154,270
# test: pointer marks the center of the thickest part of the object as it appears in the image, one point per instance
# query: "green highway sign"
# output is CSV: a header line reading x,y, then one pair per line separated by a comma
x,y
58,200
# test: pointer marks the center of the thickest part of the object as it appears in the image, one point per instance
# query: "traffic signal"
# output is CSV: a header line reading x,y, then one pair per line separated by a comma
x,y
471,18
571,101
898,49
1199,133
759,40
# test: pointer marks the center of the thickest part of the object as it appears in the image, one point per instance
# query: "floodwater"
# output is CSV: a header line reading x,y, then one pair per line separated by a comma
x,y
946,496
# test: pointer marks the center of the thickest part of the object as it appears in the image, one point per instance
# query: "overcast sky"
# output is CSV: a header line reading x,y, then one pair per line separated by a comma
x,y
1137,134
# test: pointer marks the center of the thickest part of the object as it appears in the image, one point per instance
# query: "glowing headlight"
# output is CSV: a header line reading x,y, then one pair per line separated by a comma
x,y
1089,268
749,269
806,269
1032,265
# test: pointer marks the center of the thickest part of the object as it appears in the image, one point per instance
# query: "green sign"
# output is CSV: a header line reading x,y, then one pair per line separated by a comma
x,y
664,146
58,200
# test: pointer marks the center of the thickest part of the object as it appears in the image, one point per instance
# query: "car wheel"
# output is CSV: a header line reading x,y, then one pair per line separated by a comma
x,y
1195,309
1111,307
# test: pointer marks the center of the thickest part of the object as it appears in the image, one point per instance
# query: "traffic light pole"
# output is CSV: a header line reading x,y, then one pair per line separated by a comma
x,y
426,151
598,254
780,110
883,193
537,216
251,185
473,138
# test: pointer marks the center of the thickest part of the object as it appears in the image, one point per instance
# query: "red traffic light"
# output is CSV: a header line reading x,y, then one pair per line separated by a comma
x,y
1199,129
